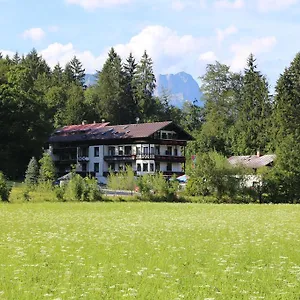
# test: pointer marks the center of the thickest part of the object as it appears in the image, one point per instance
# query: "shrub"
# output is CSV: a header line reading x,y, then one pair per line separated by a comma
x,y
32,172
4,188
47,168
158,188
122,181
81,189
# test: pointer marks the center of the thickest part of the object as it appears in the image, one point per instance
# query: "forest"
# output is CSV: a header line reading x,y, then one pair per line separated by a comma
x,y
239,116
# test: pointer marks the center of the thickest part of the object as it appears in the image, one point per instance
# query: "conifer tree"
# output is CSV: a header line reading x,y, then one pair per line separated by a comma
x,y
145,86
130,88
47,169
111,90
77,70
252,128
287,103
32,172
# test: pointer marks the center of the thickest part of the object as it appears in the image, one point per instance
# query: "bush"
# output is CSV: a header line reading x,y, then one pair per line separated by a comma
x,y
4,188
81,189
32,172
122,181
214,176
157,188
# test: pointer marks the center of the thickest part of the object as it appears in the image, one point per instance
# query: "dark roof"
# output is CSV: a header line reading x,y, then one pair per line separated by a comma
x,y
252,161
103,131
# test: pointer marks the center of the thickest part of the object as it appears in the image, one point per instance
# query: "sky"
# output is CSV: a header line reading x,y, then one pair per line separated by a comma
x,y
179,35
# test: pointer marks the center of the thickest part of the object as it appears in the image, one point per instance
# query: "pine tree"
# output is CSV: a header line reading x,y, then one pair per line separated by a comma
x,y
251,131
47,169
77,70
130,88
16,58
111,90
145,85
32,172
57,75
287,103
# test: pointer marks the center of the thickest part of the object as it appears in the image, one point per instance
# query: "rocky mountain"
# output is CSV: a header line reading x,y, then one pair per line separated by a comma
x,y
179,87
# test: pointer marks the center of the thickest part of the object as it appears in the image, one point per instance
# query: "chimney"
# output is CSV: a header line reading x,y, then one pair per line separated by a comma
x,y
94,122
103,120
258,153
83,122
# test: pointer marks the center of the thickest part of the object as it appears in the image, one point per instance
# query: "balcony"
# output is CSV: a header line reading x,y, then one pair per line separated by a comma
x,y
145,156
124,158
83,159
170,158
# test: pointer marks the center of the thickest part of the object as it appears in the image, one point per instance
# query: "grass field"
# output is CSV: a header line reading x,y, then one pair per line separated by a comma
x,y
149,251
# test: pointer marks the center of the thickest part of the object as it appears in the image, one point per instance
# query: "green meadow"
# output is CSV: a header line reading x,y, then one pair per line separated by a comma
x,y
149,251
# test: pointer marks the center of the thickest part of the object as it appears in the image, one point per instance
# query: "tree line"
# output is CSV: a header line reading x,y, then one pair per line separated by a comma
x,y
35,99
239,117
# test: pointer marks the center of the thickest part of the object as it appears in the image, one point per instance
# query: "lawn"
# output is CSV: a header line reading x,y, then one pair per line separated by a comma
x,y
149,251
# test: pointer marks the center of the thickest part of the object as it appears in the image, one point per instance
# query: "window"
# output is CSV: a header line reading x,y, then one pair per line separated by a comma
x,y
111,166
145,167
121,150
152,150
83,151
169,151
145,150
138,150
138,167
163,135
176,152
96,151
84,167
157,166
96,167
151,167
111,151
169,167
157,150
128,150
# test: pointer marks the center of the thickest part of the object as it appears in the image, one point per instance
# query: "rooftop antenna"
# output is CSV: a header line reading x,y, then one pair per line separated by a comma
x,y
103,120
137,119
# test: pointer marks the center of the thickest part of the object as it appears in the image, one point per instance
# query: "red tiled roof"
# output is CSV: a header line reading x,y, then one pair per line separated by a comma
x,y
101,131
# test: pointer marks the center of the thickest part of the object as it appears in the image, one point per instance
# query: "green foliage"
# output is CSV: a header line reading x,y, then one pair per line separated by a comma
x,y
282,182
47,169
158,188
4,188
122,181
82,189
251,131
213,175
32,172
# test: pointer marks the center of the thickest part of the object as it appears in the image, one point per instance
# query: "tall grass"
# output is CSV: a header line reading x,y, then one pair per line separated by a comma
x,y
149,251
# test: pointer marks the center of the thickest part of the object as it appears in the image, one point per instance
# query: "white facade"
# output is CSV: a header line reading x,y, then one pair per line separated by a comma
x,y
144,158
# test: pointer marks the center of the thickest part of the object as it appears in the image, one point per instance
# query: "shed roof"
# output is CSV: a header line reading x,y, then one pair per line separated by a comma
x,y
252,161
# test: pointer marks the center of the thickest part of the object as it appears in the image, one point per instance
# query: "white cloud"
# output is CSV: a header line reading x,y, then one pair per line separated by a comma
x,y
168,49
209,56
57,52
222,34
34,34
7,52
256,46
235,4
92,4
268,5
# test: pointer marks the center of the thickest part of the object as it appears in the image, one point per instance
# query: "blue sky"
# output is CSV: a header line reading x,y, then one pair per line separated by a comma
x,y
180,35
